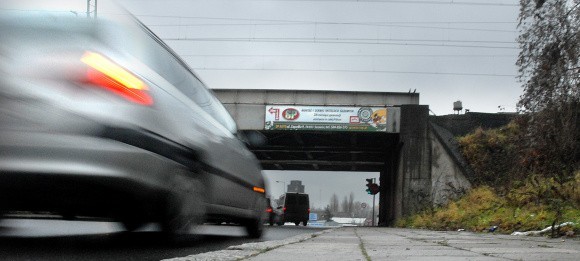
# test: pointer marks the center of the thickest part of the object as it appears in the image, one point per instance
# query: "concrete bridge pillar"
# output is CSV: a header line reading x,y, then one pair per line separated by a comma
x,y
388,181
406,178
413,181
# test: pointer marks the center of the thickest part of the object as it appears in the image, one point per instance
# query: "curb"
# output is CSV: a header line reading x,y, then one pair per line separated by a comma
x,y
247,250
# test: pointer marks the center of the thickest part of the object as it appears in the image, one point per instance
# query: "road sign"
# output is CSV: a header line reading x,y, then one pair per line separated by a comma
x,y
316,224
363,205
313,217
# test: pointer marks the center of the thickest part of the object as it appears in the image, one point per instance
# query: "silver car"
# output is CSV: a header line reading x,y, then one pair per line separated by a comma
x,y
101,119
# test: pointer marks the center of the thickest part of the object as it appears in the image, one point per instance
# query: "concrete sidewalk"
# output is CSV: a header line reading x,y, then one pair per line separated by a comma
x,y
366,243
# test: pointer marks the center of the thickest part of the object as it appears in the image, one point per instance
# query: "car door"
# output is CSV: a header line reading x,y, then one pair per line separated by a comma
x,y
232,167
235,161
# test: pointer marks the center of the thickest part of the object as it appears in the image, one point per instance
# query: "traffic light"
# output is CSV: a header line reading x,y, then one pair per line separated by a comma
x,y
369,183
372,188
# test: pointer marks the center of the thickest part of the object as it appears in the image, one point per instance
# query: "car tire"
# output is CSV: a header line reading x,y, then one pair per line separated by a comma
x,y
184,209
297,223
254,228
280,223
305,222
131,225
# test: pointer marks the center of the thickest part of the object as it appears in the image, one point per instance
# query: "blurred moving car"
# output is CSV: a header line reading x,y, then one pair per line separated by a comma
x,y
295,208
99,118
274,214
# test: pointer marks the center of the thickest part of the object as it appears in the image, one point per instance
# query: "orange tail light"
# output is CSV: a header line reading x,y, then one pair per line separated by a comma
x,y
259,190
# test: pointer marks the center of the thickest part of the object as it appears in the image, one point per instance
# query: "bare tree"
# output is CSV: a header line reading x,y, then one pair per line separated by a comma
x,y
333,207
351,203
327,215
344,205
549,70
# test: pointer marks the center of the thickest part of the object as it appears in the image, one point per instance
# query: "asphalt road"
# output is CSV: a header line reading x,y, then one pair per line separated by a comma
x,y
77,240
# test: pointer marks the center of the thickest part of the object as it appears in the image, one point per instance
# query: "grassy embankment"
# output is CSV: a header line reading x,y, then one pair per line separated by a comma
x,y
504,195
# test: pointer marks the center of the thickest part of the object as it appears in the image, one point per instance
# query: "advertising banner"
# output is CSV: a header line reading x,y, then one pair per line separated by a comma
x,y
325,118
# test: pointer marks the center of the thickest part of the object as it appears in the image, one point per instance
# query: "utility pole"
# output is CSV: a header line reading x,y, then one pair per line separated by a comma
x,y
89,9
373,206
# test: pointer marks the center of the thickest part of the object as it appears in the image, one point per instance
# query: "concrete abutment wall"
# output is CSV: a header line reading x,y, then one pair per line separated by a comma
x,y
423,171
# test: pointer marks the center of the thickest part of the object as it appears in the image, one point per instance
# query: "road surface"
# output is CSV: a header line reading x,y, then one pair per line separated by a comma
x,y
29,239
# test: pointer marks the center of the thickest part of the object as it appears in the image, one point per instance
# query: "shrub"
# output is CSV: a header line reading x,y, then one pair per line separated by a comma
x,y
492,154
483,208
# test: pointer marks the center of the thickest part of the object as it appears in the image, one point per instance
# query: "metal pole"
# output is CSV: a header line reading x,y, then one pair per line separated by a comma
x,y
373,210
88,8
95,16
373,219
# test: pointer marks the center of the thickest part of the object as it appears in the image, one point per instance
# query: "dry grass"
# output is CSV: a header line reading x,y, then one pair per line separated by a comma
x,y
483,208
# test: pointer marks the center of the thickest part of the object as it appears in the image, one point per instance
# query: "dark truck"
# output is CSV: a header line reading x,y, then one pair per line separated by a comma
x,y
295,208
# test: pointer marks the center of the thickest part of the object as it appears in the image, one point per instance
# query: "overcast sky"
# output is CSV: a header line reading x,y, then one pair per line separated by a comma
x,y
446,50
464,50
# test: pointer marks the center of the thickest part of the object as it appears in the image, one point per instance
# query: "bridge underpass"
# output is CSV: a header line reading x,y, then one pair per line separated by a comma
x,y
325,151
411,162
335,151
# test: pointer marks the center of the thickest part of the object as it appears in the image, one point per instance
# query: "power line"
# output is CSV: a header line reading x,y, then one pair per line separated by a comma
x,y
313,24
296,22
354,55
265,20
319,41
35,10
355,71
283,22
448,2
359,40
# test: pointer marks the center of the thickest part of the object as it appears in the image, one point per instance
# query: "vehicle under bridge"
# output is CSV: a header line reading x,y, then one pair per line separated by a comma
x,y
383,132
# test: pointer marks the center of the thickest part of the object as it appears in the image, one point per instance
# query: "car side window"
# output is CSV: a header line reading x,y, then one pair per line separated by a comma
x,y
169,67
221,114
177,73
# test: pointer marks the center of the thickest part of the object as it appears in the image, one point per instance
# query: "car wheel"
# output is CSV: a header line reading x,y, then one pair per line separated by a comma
x,y
280,223
255,228
130,225
184,209
297,223
305,222
68,216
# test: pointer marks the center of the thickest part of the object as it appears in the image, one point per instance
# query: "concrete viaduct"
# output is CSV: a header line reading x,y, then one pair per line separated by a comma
x,y
384,132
